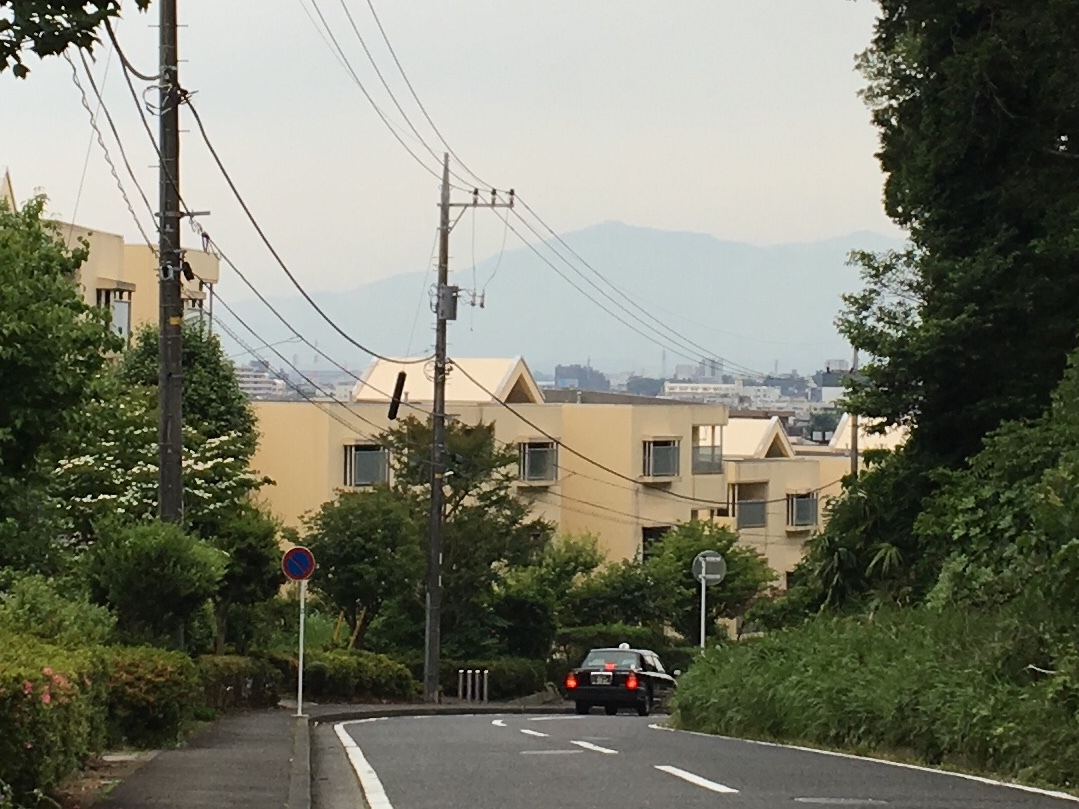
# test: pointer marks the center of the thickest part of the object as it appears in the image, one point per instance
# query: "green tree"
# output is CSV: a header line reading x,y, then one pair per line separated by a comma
x,y
213,402
368,552
154,577
53,343
488,525
48,27
248,538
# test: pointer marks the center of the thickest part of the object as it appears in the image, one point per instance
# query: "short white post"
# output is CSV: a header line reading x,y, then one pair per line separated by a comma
x,y
460,683
299,672
468,685
486,673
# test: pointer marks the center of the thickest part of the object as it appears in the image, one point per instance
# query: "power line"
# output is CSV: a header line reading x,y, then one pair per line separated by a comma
x,y
269,245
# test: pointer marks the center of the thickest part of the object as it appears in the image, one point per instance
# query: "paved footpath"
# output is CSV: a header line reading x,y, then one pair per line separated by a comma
x,y
240,762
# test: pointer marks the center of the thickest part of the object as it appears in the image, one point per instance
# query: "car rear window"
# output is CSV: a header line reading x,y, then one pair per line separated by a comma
x,y
599,658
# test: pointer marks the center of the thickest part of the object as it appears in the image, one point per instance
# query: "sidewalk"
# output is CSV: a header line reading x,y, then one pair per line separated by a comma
x,y
260,760
240,762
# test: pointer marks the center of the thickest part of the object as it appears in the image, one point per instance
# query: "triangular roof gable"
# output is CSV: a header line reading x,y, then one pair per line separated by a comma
x,y
519,386
756,439
7,190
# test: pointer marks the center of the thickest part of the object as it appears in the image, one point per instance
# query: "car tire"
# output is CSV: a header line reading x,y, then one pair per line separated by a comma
x,y
610,710
644,708
583,707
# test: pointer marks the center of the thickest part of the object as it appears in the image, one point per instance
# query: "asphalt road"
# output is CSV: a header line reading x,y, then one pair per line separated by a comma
x,y
626,762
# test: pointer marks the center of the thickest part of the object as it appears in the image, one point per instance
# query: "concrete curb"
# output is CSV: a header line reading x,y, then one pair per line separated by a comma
x,y
345,714
299,776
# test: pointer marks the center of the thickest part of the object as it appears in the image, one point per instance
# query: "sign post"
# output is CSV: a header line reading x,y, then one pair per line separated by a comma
x,y
298,564
709,568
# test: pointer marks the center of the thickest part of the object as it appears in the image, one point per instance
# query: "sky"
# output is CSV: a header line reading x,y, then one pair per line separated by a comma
x,y
736,118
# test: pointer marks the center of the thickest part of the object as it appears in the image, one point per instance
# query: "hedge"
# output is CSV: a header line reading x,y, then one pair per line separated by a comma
x,y
52,712
231,682
349,676
508,677
152,693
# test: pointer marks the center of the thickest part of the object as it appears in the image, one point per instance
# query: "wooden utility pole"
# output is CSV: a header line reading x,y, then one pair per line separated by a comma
x,y
445,311
170,319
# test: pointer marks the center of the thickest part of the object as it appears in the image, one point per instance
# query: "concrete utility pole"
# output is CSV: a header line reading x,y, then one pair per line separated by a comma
x,y
854,425
170,377
445,311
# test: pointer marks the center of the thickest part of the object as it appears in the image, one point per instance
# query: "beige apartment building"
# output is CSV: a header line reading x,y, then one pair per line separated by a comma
x,y
123,278
621,467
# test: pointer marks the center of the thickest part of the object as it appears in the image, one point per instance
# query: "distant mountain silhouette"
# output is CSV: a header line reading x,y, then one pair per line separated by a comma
x,y
753,306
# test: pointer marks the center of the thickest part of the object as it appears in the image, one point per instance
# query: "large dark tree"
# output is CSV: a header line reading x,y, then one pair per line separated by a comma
x,y
48,27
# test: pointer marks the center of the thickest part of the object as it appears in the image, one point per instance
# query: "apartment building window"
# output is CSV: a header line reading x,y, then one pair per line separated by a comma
x,y
537,461
118,302
651,536
661,458
750,502
802,510
366,465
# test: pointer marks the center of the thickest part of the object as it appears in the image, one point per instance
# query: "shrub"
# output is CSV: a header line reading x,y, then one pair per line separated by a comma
x,y
231,681
152,693
350,676
508,677
944,688
52,712
34,606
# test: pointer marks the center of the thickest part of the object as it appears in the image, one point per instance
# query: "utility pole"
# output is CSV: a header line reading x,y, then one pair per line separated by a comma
x,y
170,316
854,425
445,311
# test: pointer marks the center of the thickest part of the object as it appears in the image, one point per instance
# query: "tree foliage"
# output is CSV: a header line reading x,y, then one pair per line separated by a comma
x,y
368,551
48,27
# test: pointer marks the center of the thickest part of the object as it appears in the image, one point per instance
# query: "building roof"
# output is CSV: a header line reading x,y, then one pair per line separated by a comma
x,y
756,438
892,438
577,396
7,191
502,380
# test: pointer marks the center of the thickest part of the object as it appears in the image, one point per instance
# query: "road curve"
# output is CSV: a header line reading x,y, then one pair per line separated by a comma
x,y
625,762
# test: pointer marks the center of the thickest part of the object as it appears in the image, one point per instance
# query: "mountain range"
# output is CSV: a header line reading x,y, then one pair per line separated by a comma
x,y
671,298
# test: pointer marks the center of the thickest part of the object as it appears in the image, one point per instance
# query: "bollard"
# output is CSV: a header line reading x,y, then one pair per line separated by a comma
x,y
486,672
468,685
460,683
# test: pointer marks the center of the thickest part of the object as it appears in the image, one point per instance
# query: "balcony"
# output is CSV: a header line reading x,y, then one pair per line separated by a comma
x,y
707,460
661,460
751,514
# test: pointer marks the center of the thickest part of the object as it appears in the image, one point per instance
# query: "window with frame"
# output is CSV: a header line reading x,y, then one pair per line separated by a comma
x,y
750,503
802,510
366,465
661,457
537,461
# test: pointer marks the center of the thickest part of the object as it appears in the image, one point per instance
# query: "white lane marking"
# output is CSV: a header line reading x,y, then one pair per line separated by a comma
x,y
696,780
842,801
369,781
595,747
372,719
531,732
498,723
1064,796
549,752
552,718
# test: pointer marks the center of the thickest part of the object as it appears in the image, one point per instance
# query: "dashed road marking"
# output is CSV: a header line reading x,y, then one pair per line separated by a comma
x,y
595,747
696,780
498,723
531,732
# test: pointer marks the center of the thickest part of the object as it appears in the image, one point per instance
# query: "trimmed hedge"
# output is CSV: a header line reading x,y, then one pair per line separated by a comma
x,y
508,678
52,712
152,693
349,676
231,682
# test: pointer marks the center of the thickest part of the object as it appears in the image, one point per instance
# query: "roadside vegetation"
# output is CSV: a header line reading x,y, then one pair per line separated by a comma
x,y
936,615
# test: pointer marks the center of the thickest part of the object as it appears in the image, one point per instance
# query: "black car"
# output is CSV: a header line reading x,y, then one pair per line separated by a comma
x,y
620,678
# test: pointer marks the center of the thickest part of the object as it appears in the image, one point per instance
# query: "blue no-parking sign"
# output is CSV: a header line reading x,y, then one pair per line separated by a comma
x,y
298,563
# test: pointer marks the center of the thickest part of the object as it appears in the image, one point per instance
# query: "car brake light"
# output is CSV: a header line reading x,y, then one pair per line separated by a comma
x,y
631,681
608,666
571,680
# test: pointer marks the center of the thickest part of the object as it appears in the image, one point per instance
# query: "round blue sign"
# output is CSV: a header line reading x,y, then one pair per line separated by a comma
x,y
298,563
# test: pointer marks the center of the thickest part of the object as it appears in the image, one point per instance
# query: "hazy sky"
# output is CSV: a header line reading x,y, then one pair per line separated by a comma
x,y
738,118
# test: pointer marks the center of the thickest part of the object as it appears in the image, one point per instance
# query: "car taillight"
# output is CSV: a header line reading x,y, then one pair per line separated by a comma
x,y
631,681
571,680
